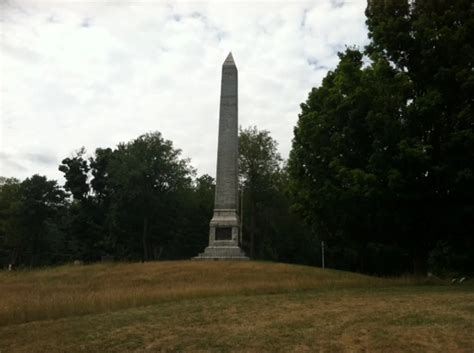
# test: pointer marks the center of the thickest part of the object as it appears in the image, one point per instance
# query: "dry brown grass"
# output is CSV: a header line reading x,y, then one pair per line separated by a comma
x,y
74,290
226,307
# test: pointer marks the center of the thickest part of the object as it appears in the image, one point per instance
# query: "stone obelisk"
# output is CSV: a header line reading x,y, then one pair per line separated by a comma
x,y
224,226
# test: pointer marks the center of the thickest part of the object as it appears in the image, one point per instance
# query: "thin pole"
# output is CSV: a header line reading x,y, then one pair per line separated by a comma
x,y
241,214
322,252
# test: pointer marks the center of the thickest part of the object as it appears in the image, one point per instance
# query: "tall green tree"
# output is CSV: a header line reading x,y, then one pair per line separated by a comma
x,y
431,42
344,148
270,230
146,176
30,220
10,235
194,211
259,164
85,221
75,171
99,169
137,201
382,155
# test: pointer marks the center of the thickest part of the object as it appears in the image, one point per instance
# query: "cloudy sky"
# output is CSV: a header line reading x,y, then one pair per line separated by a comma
x,y
96,73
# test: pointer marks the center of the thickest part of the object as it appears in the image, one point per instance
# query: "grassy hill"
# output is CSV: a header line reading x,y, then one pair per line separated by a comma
x,y
228,307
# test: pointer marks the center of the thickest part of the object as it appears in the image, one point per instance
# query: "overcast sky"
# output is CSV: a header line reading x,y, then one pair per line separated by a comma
x,y
96,73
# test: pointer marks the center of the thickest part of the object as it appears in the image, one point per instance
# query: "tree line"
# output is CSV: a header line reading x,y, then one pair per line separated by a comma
x,y
381,169
143,201
120,203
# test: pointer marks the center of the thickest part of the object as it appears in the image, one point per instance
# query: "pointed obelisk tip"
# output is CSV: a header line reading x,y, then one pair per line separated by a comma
x,y
229,60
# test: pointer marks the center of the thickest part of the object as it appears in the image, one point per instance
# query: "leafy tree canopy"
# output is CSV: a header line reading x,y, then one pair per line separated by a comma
x,y
383,152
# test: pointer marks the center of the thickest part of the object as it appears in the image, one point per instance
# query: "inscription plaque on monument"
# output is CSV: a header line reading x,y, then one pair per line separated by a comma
x,y
224,233
224,225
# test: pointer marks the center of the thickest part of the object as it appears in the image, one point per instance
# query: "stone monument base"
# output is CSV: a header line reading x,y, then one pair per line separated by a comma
x,y
223,237
222,253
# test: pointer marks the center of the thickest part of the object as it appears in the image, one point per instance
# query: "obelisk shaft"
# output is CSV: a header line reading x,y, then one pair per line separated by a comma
x,y
224,226
228,145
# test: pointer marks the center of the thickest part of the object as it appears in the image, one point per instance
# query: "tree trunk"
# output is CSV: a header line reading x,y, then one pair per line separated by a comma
x,y
144,238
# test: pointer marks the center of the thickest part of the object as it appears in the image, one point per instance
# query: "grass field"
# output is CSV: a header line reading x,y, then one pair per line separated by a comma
x,y
229,307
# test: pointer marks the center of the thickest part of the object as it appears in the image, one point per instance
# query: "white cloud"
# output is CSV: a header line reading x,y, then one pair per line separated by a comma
x,y
98,73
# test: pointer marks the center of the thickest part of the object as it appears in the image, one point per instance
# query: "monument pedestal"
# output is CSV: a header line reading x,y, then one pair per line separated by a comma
x,y
223,237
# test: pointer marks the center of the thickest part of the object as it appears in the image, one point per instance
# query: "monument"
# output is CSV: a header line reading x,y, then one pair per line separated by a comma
x,y
224,233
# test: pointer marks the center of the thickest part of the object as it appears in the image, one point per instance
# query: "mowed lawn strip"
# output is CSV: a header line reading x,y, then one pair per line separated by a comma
x,y
400,319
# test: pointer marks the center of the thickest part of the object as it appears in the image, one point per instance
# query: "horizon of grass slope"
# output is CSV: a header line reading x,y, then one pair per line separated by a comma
x,y
68,290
